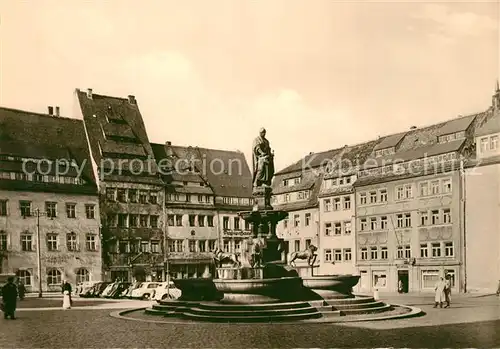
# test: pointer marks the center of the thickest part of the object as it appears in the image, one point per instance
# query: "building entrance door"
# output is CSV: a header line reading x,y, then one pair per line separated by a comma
x,y
403,281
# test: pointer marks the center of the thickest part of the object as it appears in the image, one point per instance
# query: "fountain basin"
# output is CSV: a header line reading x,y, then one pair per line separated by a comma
x,y
199,289
331,286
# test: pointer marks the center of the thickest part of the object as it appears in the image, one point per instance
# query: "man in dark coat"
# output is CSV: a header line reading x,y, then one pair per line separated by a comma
x,y
9,295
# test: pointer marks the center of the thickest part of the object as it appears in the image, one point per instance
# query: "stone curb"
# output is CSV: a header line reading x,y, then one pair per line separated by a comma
x,y
414,312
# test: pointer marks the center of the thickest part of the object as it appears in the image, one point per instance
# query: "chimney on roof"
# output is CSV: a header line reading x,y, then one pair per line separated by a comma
x,y
413,128
57,111
131,99
51,110
89,93
168,143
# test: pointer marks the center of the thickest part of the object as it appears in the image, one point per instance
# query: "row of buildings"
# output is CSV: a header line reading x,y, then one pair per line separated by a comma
x,y
404,209
91,198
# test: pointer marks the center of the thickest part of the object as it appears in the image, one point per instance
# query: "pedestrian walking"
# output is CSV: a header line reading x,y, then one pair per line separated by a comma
x,y
439,298
66,300
9,298
21,290
400,286
447,290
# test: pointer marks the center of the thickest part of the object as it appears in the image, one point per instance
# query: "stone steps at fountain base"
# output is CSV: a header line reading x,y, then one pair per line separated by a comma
x,y
251,317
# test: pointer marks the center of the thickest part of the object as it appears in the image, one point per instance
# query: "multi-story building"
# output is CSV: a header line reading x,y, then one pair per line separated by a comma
x,y
202,202
409,208
337,210
130,186
482,207
49,213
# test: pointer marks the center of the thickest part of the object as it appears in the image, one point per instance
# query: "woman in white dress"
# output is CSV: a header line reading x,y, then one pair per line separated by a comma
x,y
66,300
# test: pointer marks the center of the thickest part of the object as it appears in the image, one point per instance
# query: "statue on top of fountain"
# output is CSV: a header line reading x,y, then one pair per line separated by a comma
x,y
263,171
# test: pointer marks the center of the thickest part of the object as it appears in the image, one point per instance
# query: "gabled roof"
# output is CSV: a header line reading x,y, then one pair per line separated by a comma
x,y
491,126
456,125
226,172
122,119
389,141
32,135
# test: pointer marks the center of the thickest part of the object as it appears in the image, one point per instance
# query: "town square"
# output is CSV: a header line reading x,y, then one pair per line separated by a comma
x,y
249,174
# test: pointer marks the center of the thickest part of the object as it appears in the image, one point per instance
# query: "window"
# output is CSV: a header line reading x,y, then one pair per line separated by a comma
x,y
347,202
383,222
400,221
400,252
91,242
71,241
307,220
434,187
429,278
122,195
362,199
451,273
379,280
446,185
373,197
144,246
373,252
364,253
337,255
143,197
143,220
328,255
132,195
373,223
400,193
237,246
493,142
24,276
296,220
338,228
192,245
328,205
435,217
51,209
226,246
407,220
424,251
446,216
436,249
225,223
384,254
347,254
210,221
383,195
90,211
26,242
247,225
178,220
71,210
448,249
3,207
424,218
336,204
155,246
328,229
188,197
211,244
200,198
54,277
153,197
192,220
297,245
308,243
110,194
202,246
25,207
123,247
153,221
52,242
3,241
408,191
82,275
347,227
408,251
122,220
285,182
201,220
484,144
424,189
237,223
363,224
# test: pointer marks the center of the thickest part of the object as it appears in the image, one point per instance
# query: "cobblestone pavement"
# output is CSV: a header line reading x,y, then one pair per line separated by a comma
x,y
470,323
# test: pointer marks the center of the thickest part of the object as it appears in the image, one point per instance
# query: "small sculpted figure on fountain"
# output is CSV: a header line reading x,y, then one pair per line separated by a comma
x,y
263,171
221,257
308,254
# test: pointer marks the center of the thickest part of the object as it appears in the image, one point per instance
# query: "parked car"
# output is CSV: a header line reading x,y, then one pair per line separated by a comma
x,y
118,289
108,290
133,286
146,290
162,294
95,290
84,287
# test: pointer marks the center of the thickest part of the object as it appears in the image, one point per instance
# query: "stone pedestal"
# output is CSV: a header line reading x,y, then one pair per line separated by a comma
x,y
262,198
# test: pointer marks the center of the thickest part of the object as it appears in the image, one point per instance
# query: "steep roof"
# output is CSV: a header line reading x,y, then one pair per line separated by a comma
x,y
116,130
390,141
226,172
313,160
311,180
491,126
25,134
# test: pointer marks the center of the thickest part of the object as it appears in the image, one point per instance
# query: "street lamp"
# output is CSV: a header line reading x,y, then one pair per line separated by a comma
x,y
38,213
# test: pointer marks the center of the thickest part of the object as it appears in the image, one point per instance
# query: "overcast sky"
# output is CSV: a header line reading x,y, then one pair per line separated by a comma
x,y
317,74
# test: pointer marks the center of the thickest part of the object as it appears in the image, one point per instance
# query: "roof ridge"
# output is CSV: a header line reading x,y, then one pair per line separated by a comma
x,y
101,95
40,114
197,147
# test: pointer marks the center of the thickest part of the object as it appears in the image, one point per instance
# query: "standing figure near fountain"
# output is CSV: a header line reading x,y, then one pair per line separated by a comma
x,y
262,160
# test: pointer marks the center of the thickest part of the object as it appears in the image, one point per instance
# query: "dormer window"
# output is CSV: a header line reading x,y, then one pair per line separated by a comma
x,y
451,137
296,180
285,182
385,152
